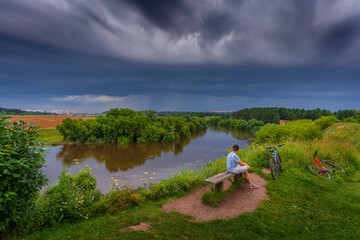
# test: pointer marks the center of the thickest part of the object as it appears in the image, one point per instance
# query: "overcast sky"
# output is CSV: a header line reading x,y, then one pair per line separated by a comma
x,y
185,55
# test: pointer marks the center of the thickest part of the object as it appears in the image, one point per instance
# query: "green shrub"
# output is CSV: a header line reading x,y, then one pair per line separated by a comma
x,y
272,133
295,130
71,199
325,122
21,176
118,200
350,120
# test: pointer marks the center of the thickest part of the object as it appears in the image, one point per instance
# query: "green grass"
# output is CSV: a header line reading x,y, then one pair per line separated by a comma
x,y
300,205
50,136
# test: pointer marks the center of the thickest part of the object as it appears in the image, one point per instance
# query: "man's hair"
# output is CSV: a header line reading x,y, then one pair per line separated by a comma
x,y
235,147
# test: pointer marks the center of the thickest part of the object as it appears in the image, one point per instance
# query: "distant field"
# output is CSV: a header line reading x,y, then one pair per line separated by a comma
x,y
45,121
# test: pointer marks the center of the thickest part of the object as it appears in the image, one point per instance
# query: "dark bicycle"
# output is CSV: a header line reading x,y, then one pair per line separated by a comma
x,y
322,168
275,161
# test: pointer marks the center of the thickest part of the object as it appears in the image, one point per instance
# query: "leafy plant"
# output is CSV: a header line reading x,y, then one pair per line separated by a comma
x,y
21,176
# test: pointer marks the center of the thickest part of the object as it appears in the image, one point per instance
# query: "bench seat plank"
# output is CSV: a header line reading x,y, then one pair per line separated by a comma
x,y
219,177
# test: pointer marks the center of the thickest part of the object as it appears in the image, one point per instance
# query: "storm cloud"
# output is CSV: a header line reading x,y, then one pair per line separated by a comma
x,y
67,50
271,32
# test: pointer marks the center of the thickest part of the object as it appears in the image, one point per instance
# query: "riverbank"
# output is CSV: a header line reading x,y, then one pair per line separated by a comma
x,y
300,205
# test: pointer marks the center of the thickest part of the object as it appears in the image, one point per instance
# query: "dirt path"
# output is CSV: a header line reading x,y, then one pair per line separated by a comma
x,y
240,201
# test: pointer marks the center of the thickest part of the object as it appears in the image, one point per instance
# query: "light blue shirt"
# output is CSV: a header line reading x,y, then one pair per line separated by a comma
x,y
231,161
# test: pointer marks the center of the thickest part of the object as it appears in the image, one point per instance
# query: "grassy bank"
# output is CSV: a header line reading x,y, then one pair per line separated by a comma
x,y
50,137
301,205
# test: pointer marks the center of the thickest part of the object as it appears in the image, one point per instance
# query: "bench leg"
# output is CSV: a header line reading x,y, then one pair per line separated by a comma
x,y
237,177
219,186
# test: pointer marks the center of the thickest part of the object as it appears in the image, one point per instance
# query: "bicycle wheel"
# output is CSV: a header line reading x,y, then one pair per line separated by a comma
x,y
316,172
273,168
279,163
332,166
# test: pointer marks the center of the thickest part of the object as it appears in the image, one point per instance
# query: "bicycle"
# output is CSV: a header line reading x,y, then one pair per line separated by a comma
x,y
322,168
275,161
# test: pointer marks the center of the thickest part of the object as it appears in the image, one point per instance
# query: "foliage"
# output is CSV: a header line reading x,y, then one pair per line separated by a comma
x,y
118,199
273,115
239,124
325,122
126,126
296,130
350,120
71,199
21,176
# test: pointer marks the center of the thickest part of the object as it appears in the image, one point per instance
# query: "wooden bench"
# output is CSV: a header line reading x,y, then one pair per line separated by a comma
x,y
218,180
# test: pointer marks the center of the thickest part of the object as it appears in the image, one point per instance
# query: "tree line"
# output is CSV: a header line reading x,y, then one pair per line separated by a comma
x,y
274,115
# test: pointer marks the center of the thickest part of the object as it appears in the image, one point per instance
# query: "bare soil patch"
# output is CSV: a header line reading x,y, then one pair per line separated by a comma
x,y
45,121
240,201
266,171
144,226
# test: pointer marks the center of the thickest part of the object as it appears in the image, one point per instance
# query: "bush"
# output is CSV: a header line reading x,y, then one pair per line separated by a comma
x,y
325,122
296,130
21,176
118,200
73,198
272,133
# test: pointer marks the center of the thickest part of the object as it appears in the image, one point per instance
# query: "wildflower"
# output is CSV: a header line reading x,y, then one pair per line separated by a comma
x,y
146,173
151,178
141,179
87,166
154,173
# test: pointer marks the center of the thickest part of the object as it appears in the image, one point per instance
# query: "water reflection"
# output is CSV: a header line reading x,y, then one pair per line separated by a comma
x,y
238,134
122,156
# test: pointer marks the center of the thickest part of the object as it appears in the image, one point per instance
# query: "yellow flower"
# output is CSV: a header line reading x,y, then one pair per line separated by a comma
x,y
146,173
141,179
154,173
151,178
87,166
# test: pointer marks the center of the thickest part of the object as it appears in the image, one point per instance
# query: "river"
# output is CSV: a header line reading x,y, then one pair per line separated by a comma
x,y
129,162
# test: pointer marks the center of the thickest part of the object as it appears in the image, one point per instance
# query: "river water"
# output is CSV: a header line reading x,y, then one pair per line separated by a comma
x,y
129,162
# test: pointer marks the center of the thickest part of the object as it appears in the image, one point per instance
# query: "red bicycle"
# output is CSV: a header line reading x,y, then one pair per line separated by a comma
x,y
322,168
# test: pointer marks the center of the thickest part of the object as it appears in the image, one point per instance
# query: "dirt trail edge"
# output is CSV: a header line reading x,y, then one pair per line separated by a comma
x,y
240,201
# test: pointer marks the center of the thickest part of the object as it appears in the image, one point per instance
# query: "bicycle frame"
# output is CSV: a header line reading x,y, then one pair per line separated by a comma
x,y
317,163
320,167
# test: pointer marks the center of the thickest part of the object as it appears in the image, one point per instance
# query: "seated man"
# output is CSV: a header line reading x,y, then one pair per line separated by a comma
x,y
234,165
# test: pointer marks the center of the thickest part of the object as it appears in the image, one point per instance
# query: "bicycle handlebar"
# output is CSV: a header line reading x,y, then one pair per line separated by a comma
x,y
276,146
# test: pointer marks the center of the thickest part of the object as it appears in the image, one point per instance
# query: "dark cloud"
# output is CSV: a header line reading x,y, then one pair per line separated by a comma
x,y
173,16
216,24
340,36
254,49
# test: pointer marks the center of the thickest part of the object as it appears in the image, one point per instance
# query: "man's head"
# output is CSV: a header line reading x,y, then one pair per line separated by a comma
x,y
235,148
